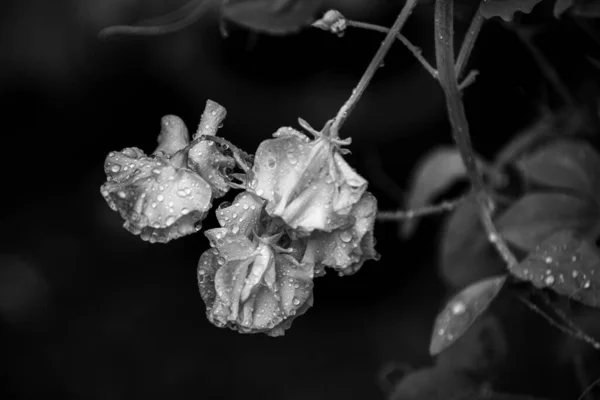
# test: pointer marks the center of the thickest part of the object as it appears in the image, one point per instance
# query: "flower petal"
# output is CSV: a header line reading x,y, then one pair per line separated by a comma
x,y
158,200
207,160
241,215
173,136
347,248
306,183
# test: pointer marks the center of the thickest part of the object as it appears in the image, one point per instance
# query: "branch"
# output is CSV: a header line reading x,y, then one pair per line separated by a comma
x,y
347,108
468,43
444,51
413,49
420,212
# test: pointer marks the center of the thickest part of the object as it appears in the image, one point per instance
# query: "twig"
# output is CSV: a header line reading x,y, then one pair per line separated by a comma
x,y
549,72
347,108
468,43
589,389
548,318
420,212
444,50
413,49
578,333
582,377
469,79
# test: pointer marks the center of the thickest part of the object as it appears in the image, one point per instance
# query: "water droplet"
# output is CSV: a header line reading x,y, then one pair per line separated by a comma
x,y
115,168
181,193
245,206
185,211
346,236
220,260
235,229
548,260
587,284
260,192
170,221
122,194
160,197
296,301
458,307
549,280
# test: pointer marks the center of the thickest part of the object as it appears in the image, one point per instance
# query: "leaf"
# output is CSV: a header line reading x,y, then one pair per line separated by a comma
x,y
567,264
565,164
465,254
561,6
537,216
586,8
435,383
276,17
462,311
481,349
506,9
435,173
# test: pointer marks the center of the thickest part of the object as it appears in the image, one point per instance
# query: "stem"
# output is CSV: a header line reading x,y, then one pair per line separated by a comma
x,y
444,51
413,49
469,43
347,108
420,212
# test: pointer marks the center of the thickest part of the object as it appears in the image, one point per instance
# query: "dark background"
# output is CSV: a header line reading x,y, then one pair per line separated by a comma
x,y
88,311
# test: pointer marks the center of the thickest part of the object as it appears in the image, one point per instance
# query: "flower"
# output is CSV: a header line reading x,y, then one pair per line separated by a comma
x,y
205,157
348,247
306,182
247,281
158,196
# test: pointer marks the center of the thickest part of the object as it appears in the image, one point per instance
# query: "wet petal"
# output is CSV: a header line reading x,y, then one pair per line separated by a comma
x,y
158,200
262,292
347,248
208,161
305,182
241,215
173,135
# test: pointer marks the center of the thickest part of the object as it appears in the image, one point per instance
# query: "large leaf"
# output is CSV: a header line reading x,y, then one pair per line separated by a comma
x,y
435,173
537,216
466,256
567,165
462,311
506,9
567,264
272,16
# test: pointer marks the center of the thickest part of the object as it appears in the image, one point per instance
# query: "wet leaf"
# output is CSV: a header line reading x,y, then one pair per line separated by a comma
x,y
462,311
434,174
566,263
305,182
347,248
276,17
480,350
537,216
567,165
506,9
465,254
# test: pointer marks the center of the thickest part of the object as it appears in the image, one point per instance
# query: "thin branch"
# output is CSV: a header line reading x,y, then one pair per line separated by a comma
x,y
526,37
416,51
347,108
420,212
578,333
469,79
444,50
543,314
468,43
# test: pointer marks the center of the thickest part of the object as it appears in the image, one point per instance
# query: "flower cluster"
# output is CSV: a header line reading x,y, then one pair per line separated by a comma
x,y
303,209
